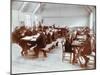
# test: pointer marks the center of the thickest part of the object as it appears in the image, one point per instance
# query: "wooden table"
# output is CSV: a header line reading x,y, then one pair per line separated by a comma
x,y
77,46
31,42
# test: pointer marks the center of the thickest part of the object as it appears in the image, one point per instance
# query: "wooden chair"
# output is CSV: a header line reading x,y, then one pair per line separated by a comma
x,y
66,56
92,60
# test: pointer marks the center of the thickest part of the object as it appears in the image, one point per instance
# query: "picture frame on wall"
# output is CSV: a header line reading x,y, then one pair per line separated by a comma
x,y
52,37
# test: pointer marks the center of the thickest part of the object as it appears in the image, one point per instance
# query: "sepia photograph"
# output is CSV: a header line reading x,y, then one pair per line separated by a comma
x,y
52,37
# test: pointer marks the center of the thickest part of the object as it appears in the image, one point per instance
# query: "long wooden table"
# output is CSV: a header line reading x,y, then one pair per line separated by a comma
x,y
32,41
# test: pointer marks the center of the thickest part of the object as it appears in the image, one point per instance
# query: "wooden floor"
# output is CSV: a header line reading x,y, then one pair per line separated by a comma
x,y
53,62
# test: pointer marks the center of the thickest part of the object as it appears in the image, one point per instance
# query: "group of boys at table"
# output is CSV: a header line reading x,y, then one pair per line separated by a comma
x,y
44,38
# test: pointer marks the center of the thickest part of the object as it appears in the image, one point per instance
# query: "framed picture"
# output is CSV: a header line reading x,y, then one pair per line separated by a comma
x,y
52,37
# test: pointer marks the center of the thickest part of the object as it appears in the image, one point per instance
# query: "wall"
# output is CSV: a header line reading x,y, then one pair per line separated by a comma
x,y
15,20
69,21
93,20
18,17
72,15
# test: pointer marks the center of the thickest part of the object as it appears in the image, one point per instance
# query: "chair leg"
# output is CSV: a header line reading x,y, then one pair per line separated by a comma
x,y
36,50
74,58
44,53
94,62
62,56
70,57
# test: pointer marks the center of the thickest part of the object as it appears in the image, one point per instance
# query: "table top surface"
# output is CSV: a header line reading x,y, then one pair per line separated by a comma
x,y
31,38
77,43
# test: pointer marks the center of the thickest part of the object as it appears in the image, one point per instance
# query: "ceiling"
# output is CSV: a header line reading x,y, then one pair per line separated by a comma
x,y
23,6
16,5
51,9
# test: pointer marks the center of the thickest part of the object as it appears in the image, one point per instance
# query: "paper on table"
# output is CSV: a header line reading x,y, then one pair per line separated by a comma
x,y
27,38
37,35
31,38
